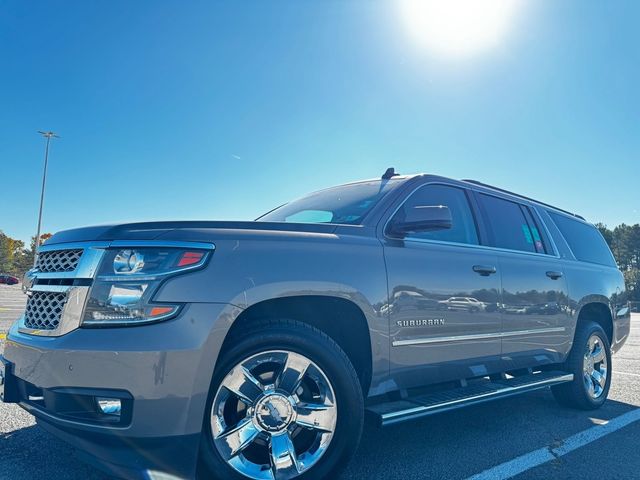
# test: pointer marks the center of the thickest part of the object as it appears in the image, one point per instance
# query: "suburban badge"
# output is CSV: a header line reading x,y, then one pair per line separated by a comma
x,y
426,322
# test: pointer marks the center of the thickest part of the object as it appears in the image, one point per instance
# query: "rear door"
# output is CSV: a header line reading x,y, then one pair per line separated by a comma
x,y
444,294
534,303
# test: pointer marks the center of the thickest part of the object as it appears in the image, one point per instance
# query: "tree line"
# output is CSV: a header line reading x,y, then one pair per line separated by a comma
x,y
15,257
624,241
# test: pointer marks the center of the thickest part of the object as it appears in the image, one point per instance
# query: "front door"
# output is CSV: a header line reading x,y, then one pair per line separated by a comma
x,y
443,296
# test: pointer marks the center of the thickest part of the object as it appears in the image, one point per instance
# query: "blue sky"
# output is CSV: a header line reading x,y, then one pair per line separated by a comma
x,y
223,110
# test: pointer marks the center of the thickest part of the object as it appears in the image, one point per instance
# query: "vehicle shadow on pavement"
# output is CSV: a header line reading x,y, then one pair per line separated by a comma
x,y
459,444
31,453
452,445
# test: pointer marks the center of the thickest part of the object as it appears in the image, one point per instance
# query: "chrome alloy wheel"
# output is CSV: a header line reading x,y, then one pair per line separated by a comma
x,y
274,415
595,367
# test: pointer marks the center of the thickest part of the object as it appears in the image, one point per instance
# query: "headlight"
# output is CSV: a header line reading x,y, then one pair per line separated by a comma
x,y
128,261
127,279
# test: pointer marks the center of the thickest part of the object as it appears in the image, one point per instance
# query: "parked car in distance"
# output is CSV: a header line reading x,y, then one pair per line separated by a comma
x,y
550,308
255,350
8,279
467,304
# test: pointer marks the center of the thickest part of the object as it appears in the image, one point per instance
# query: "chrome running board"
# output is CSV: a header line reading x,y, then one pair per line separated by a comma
x,y
385,414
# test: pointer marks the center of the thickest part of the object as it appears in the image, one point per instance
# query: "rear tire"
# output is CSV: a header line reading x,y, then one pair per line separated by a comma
x,y
590,363
274,412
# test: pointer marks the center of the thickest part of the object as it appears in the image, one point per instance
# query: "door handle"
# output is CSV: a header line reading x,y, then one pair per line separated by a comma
x,y
554,275
484,270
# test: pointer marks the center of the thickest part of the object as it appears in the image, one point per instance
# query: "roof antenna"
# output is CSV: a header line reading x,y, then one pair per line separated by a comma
x,y
391,172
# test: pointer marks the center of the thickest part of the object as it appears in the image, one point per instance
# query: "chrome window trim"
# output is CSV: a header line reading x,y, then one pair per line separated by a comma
x,y
458,244
482,247
478,336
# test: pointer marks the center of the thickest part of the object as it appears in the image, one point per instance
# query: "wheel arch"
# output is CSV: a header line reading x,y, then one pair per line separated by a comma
x,y
339,318
600,313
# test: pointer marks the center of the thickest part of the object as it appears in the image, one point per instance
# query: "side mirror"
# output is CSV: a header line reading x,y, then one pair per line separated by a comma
x,y
422,219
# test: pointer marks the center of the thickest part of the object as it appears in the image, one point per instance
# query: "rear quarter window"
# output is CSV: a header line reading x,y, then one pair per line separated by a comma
x,y
585,241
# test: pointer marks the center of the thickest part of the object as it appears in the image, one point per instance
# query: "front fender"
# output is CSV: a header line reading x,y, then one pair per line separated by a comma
x,y
246,271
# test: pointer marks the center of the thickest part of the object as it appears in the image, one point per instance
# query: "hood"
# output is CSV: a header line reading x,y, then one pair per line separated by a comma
x,y
153,230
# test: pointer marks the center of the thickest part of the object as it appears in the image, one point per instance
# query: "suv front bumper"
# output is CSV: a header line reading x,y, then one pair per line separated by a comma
x,y
162,373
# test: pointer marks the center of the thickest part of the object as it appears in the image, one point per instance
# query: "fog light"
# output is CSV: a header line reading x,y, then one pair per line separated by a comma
x,y
109,406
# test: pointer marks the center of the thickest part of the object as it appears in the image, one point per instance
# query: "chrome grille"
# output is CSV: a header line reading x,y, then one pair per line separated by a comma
x,y
44,310
59,260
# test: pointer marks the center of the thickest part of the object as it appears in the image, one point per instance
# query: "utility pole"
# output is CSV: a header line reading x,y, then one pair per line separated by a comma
x,y
48,135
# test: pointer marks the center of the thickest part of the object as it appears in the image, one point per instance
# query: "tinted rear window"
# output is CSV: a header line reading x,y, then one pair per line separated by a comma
x,y
585,241
508,225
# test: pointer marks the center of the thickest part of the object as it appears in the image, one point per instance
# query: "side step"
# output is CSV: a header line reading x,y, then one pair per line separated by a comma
x,y
428,404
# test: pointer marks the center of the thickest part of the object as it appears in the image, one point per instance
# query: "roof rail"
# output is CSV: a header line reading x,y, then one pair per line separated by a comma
x,y
476,182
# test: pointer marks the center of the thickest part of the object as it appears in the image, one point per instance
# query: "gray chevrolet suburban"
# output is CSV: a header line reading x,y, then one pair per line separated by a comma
x,y
235,350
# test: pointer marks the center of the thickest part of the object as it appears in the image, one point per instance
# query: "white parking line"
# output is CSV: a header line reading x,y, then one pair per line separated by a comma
x,y
543,455
627,373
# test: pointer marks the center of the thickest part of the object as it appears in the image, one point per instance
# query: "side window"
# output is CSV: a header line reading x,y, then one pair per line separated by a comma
x,y
463,228
585,241
535,232
508,225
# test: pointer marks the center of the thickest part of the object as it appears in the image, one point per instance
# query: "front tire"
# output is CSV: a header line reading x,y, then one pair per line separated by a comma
x,y
590,363
285,402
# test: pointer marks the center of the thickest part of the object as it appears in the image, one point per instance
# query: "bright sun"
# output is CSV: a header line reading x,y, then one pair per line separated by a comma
x,y
458,27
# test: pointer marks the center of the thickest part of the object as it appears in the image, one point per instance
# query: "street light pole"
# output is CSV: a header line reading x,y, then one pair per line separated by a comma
x,y
48,135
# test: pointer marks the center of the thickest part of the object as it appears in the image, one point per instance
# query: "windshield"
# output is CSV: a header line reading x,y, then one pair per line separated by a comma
x,y
345,204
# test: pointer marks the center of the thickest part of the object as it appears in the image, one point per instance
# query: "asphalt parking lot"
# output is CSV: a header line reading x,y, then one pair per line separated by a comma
x,y
526,437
